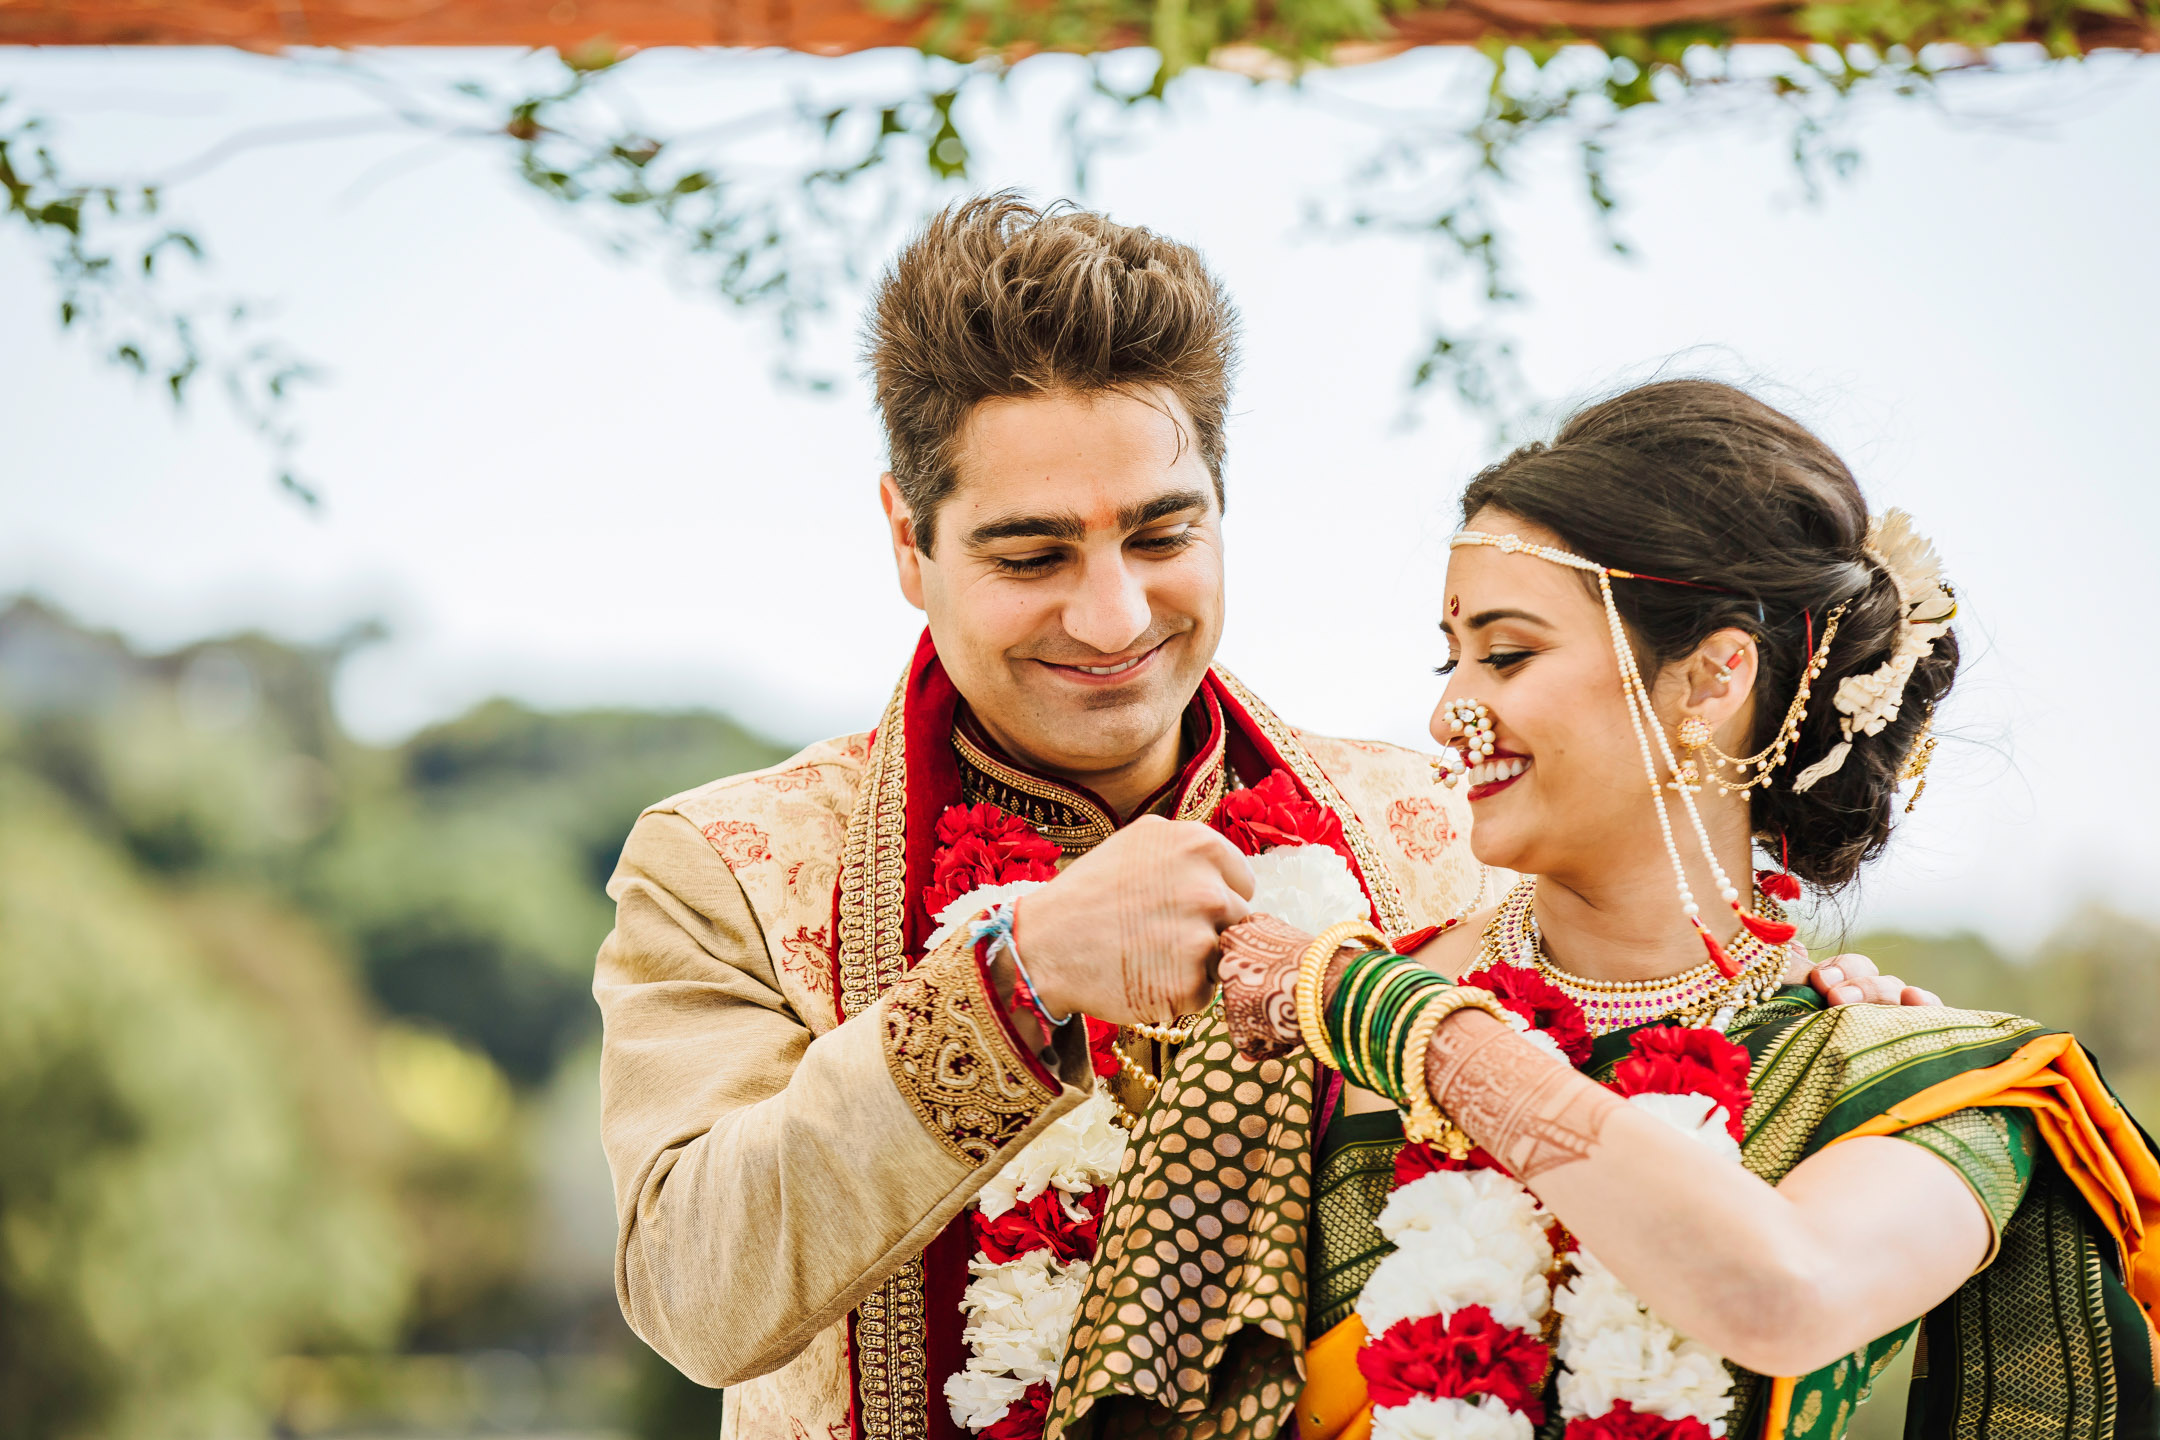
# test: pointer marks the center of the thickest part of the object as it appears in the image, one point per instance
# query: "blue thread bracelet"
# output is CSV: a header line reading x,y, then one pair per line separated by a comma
x,y
997,928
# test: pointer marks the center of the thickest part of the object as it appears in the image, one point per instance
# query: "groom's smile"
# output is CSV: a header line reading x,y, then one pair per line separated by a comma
x,y
1073,580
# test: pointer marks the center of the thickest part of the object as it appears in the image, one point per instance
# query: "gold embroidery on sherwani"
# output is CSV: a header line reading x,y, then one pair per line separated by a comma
x,y
1379,883
1060,815
873,871
891,1363
1070,819
1193,1319
951,1056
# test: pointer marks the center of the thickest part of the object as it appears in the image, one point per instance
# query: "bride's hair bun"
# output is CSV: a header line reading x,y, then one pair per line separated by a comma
x,y
1699,481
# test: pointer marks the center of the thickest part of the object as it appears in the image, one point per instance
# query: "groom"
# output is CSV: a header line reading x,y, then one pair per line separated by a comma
x,y
799,1104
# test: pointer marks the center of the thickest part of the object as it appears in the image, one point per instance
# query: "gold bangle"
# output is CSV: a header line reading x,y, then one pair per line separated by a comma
x,y
1425,1123
1312,972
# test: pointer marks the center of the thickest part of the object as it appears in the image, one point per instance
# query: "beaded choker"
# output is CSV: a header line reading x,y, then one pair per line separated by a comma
x,y
1702,995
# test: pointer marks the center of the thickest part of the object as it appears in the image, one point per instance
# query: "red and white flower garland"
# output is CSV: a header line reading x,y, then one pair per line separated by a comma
x,y
1627,1374
1036,1223
1458,1316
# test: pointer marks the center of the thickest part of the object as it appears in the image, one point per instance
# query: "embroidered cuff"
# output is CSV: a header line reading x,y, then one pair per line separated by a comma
x,y
955,1057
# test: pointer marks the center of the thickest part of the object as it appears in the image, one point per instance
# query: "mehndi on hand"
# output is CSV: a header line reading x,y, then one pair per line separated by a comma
x,y
1259,972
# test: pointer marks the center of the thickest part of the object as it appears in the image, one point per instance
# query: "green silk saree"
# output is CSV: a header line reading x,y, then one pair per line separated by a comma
x,y
1198,1310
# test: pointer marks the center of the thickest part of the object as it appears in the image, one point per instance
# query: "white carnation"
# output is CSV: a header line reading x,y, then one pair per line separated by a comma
x,y
1614,1349
1079,1150
1434,1417
1538,1039
979,1400
1020,1314
1462,1237
1695,1116
968,906
1307,887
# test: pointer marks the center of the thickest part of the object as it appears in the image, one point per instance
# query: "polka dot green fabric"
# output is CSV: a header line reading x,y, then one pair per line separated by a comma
x,y
1193,1325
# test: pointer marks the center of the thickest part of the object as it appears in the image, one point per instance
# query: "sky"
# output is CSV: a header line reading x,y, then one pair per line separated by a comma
x,y
568,477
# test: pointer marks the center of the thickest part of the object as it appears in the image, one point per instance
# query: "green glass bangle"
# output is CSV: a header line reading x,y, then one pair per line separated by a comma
x,y
1374,1010
1375,1005
1415,992
1352,994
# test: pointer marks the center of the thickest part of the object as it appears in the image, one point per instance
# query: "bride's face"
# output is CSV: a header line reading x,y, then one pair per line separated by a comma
x,y
1529,638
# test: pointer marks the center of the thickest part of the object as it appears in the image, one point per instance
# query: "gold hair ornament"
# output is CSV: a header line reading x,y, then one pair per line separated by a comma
x,y
1759,768
1867,703
1917,758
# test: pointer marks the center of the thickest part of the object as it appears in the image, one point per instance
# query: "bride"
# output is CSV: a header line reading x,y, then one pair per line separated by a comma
x,y
1605,1181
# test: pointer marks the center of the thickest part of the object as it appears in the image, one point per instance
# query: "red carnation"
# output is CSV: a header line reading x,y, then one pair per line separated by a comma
x,y
1417,1160
1545,1005
1102,1047
1684,1060
1625,1422
1274,813
1461,1355
982,845
1042,1224
1024,1418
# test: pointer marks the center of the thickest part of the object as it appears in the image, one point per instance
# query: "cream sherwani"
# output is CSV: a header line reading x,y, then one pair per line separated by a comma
x,y
775,1166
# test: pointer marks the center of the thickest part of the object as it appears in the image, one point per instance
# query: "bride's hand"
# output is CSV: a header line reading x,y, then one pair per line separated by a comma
x,y
1258,970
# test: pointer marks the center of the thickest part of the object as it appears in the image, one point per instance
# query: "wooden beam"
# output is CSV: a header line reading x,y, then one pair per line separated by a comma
x,y
822,27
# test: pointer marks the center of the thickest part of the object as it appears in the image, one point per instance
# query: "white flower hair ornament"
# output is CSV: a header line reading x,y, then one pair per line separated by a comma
x,y
1867,703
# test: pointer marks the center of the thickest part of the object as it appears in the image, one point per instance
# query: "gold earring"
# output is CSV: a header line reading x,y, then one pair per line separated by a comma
x,y
1695,738
1473,722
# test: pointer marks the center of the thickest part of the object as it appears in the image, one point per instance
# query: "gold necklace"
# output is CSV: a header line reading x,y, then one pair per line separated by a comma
x,y
1694,996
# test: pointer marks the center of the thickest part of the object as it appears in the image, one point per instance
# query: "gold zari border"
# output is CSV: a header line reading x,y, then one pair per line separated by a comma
x,y
890,1334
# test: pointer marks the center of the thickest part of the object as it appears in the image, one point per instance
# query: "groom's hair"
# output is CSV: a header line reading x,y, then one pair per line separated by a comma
x,y
998,299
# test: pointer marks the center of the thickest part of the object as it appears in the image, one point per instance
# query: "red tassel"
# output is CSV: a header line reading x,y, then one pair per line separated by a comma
x,y
1777,932
1777,884
1724,962
1408,944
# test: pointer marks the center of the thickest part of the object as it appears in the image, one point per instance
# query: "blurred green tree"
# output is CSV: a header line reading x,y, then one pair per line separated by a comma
x,y
169,1221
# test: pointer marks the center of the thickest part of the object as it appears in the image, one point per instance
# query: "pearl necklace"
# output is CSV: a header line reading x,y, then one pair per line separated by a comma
x,y
1694,996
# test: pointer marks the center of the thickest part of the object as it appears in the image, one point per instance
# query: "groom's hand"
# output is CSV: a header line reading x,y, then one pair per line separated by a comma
x,y
1129,931
1856,980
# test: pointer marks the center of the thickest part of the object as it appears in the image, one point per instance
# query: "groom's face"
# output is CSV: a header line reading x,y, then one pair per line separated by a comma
x,y
1073,582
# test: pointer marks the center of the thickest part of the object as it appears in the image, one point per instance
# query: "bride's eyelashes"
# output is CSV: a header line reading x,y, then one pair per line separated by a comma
x,y
1502,661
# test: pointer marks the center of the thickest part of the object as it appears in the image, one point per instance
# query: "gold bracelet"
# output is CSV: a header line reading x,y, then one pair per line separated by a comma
x,y
1312,973
1425,1122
